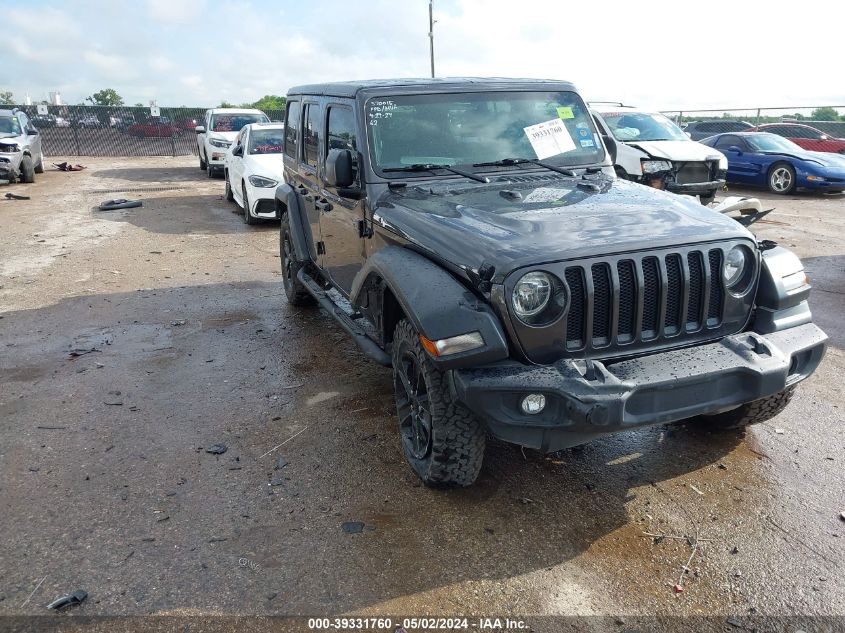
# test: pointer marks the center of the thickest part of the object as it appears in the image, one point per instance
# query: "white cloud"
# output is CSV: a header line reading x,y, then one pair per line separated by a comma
x,y
176,11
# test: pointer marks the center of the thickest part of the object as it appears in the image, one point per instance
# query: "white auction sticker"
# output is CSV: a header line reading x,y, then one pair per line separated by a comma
x,y
41,108
549,138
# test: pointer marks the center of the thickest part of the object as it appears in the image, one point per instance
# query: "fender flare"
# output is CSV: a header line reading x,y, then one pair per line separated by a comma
x,y
287,202
435,302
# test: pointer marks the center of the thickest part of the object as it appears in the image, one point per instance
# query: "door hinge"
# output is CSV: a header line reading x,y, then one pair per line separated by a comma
x,y
364,229
321,248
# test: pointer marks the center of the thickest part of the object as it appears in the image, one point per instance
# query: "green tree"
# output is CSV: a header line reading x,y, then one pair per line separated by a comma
x,y
824,114
270,102
226,104
7,98
105,97
139,105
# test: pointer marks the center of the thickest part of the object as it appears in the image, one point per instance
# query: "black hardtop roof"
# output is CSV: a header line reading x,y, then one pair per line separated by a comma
x,y
352,88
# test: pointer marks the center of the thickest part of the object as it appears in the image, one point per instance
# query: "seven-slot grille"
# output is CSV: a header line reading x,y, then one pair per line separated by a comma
x,y
643,298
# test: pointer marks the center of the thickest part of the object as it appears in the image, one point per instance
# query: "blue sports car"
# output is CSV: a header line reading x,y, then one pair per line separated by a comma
x,y
769,160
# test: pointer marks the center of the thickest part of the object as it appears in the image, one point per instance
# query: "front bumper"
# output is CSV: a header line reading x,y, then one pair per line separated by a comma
x,y
695,188
9,164
216,156
584,401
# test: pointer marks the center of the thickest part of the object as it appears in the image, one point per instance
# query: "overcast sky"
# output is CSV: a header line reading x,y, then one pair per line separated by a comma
x,y
655,53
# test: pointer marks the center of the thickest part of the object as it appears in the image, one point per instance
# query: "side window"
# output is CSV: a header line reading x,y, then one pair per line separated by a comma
x,y
311,134
24,121
780,130
803,132
341,133
291,127
727,140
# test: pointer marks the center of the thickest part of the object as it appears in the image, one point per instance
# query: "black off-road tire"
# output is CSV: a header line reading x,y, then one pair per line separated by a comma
x,y
27,169
295,292
751,413
39,168
453,451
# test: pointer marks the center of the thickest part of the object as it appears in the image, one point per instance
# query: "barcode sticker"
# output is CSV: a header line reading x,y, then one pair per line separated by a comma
x,y
549,138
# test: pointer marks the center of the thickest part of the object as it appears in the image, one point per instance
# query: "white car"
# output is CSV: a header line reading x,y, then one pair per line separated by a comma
x,y
218,129
653,150
254,168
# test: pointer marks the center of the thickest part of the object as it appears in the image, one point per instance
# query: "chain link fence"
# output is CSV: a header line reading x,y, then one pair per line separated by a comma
x,y
119,131
700,124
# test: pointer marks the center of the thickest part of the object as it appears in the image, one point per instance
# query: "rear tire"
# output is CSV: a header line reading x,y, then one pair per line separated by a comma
x,y
27,169
442,440
750,413
781,179
295,292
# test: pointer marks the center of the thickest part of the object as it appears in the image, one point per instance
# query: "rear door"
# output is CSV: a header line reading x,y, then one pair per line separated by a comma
x,y
342,210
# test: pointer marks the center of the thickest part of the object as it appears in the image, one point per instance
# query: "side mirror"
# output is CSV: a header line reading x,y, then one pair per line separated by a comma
x,y
200,129
339,168
612,148
238,150
735,148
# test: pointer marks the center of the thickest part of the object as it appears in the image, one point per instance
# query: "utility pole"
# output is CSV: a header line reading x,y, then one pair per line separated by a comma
x,y
431,33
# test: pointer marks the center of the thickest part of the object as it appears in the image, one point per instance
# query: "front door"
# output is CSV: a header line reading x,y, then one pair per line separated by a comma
x,y
342,210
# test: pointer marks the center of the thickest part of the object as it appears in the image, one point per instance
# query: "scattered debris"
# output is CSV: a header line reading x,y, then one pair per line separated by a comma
x,y
65,601
525,500
121,203
68,167
735,550
353,527
779,431
282,444
217,449
735,622
14,196
696,489
52,428
114,399
678,589
75,353
34,469
281,462
842,516
178,323
34,590
296,386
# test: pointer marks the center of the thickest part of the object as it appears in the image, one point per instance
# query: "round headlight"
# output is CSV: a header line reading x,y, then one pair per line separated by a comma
x,y
735,264
531,294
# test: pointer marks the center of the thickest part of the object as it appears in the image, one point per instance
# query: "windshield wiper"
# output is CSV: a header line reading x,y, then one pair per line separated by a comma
x,y
505,162
432,167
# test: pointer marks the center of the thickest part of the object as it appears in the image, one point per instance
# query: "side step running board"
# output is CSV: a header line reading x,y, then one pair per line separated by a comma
x,y
367,345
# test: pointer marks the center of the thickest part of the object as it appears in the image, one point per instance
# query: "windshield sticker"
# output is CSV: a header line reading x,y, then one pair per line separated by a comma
x,y
546,194
586,142
565,112
379,109
549,138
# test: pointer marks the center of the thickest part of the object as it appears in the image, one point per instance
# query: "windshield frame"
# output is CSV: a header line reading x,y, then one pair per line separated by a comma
x,y
660,118
477,92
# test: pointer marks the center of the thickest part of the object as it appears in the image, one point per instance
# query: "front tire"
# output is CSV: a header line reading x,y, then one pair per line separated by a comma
x,y
749,413
248,219
229,196
39,168
27,169
707,199
295,292
203,165
781,179
442,440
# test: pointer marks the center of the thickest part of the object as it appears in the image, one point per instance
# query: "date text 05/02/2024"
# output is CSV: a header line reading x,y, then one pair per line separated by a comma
x,y
409,625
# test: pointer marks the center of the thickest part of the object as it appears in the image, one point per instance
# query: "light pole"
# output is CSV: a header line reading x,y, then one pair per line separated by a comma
x,y
431,33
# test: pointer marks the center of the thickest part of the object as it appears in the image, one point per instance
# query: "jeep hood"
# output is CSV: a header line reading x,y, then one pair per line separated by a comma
x,y
684,151
510,225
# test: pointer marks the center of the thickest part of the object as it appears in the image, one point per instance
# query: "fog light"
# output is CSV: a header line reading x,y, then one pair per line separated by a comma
x,y
533,403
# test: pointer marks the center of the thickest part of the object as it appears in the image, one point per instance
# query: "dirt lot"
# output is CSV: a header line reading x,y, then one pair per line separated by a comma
x,y
106,483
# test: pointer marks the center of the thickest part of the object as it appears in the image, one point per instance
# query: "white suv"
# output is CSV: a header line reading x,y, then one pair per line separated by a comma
x,y
219,128
20,147
653,150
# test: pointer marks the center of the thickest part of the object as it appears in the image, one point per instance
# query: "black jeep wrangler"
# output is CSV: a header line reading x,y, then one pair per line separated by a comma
x,y
472,234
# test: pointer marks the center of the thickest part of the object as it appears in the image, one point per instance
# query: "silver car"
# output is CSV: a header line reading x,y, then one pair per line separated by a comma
x,y
20,147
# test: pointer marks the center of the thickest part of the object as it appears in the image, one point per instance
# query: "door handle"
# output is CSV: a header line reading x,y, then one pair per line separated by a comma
x,y
302,191
323,205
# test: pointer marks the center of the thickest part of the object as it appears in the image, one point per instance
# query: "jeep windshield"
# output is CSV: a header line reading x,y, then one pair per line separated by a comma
x,y
480,131
642,126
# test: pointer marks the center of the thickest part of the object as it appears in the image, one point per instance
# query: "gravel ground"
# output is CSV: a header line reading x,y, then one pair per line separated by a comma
x,y
107,483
